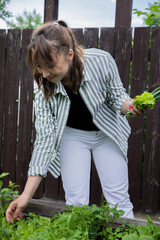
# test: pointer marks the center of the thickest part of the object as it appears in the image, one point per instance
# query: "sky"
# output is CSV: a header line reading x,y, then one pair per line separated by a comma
x,y
79,13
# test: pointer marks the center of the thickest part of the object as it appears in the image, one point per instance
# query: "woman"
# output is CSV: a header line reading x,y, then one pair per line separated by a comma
x,y
80,107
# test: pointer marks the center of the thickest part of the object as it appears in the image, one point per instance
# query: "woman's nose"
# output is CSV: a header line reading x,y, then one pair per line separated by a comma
x,y
45,73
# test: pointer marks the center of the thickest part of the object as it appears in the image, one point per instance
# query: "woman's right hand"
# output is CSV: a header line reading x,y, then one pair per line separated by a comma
x,y
16,207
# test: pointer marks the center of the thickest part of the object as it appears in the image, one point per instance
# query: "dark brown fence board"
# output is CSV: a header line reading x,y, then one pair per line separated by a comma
x,y
150,190
61,191
51,10
91,37
51,187
107,37
138,85
95,187
140,60
25,115
123,13
11,104
123,40
2,69
78,33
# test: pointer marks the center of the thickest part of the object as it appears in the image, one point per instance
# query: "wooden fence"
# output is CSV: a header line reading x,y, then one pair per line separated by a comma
x,y
135,62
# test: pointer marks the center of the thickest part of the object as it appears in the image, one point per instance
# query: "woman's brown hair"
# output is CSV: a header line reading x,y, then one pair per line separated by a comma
x,y
48,41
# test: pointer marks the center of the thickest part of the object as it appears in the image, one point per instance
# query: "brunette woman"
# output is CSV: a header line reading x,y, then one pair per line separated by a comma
x,y
80,107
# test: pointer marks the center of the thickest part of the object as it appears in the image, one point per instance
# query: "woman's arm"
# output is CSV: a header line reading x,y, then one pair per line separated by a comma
x,y
18,205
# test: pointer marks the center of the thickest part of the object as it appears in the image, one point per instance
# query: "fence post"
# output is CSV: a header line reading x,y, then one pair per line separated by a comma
x,y
123,13
51,10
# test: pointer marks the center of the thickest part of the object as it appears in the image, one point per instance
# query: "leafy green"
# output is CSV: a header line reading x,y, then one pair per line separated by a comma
x,y
146,100
6,194
74,223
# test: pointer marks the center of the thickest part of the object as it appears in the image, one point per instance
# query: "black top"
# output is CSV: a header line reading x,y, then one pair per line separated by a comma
x,y
79,115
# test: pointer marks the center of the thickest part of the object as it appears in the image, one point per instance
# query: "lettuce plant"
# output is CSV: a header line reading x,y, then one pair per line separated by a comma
x,y
146,100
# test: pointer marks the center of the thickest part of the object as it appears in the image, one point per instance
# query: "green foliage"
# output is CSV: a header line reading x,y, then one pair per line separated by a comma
x,y
151,14
6,193
26,20
78,223
73,223
144,232
3,12
146,100
87,222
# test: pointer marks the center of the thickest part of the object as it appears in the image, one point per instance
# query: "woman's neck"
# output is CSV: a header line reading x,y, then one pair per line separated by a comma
x,y
67,82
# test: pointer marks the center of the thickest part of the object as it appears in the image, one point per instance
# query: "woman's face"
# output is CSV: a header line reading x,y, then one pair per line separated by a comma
x,y
60,71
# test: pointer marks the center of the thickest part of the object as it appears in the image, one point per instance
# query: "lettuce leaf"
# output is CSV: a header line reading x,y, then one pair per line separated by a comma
x,y
145,100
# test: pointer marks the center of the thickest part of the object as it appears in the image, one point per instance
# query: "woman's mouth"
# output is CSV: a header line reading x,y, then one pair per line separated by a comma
x,y
51,78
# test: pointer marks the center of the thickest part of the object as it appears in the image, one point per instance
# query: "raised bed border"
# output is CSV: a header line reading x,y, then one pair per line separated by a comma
x,y
49,207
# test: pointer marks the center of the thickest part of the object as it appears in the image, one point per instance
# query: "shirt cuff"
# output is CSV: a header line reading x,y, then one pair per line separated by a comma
x,y
37,171
122,100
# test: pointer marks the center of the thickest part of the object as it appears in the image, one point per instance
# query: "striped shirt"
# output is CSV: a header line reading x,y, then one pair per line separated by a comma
x,y
103,94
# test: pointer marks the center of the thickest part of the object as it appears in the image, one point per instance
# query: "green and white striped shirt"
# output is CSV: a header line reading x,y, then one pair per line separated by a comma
x,y
103,94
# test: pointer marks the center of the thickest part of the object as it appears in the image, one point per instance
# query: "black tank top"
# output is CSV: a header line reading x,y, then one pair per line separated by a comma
x,y
79,115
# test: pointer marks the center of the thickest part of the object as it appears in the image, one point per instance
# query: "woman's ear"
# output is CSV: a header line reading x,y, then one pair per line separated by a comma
x,y
70,55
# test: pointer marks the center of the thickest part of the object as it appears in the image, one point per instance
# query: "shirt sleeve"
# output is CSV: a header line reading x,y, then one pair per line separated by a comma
x,y
116,93
44,149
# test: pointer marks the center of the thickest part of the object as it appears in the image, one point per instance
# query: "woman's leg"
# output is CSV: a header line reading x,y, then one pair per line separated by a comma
x,y
75,159
112,169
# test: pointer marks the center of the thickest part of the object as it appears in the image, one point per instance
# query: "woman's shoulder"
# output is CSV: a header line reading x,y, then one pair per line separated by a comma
x,y
95,52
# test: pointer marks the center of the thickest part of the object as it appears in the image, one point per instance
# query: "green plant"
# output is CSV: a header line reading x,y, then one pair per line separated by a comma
x,y
3,12
6,194
146,100
78,223
72,223
25,20
151,14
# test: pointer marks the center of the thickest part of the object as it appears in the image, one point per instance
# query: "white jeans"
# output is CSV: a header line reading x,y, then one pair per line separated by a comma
x,y
111,165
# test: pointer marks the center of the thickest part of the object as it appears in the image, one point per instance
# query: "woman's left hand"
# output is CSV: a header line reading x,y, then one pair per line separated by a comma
x,y
128,106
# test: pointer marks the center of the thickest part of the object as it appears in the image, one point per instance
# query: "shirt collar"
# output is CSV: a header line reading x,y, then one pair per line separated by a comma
x,y
59,88
86,73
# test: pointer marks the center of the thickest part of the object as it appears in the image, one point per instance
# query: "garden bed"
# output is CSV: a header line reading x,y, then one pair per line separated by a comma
x,y
48,207
48,219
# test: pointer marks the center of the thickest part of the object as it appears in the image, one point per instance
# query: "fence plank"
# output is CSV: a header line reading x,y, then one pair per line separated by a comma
x,y
11,105
150,190
123,40
78,33
138,85
51,10
25,115
123,13
107,39
90,37
52,187
2,69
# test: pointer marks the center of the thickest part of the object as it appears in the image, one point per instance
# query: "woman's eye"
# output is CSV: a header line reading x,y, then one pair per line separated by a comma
x,y
50,67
